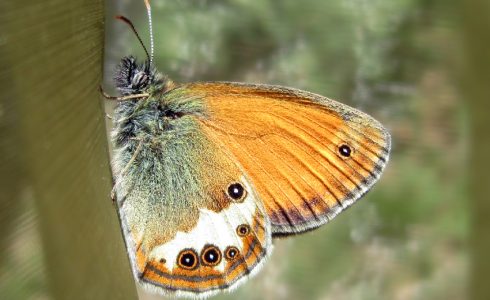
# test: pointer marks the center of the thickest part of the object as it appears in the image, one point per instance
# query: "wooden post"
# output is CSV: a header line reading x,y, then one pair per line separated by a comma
x,y
51,66
476,79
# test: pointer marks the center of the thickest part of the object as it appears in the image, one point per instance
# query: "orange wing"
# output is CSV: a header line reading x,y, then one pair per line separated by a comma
x,y
308,157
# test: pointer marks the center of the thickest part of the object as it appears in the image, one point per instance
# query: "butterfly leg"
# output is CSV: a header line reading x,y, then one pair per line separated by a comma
x,y
123,98
136,152
113,190
113,195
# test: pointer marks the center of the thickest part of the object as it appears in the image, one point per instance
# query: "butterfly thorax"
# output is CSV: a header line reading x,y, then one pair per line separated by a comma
x,y
154,117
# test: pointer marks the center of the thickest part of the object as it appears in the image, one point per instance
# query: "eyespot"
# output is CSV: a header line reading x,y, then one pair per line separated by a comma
x,y
243,230
236,192
345,150
210,255
187,259
231,252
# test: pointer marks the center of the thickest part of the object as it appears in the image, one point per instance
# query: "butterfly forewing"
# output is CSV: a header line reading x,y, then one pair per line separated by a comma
x,y
307,156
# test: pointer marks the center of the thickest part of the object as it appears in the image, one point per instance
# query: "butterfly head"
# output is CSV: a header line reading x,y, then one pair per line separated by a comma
x,y
158,109
135,78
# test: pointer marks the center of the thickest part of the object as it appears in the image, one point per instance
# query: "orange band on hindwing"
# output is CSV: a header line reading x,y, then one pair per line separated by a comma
x,y
207,278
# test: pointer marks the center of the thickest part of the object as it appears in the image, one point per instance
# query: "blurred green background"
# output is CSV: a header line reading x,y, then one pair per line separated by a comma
x,y
408,238
402,61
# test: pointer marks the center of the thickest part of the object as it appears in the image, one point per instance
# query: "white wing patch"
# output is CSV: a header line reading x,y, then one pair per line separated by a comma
x,y
218,229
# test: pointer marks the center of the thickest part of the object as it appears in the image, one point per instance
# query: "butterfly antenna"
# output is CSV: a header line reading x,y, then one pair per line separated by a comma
x,y
127,21
148,10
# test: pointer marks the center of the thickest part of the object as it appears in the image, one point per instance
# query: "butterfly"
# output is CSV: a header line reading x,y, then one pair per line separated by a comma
x,y
207,174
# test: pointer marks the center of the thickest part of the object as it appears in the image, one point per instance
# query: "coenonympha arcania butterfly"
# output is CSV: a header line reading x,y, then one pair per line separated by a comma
x,y
208,173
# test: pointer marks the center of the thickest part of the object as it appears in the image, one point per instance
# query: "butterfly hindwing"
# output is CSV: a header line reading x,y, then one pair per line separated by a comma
x,y
185,234
309,157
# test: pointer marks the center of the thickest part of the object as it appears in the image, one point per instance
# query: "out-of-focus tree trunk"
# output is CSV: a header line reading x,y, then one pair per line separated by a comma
x,y
476,77
53,130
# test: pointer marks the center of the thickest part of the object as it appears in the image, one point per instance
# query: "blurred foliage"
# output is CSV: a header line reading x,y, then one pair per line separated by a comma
x,y
393,59
407,239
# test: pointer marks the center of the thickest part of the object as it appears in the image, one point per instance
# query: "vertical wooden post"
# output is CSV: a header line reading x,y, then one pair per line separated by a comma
x,y
50,70
476,78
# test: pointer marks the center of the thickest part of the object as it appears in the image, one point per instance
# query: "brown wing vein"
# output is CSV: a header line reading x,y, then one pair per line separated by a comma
x,y
334,130
332,151
273,182
353,158
314,173
355,138
278,205
291,183
381,138
355,174
326,158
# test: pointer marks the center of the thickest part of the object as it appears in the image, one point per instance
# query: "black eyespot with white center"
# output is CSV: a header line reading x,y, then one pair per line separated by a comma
x,y
243,230
231,252
188,259
236,192
345,150
210,255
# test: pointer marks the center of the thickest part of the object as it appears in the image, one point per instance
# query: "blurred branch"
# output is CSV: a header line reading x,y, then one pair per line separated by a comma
x,y
50,71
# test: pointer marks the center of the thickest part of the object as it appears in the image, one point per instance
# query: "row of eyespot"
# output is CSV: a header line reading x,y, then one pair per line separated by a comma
x,y
210,255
